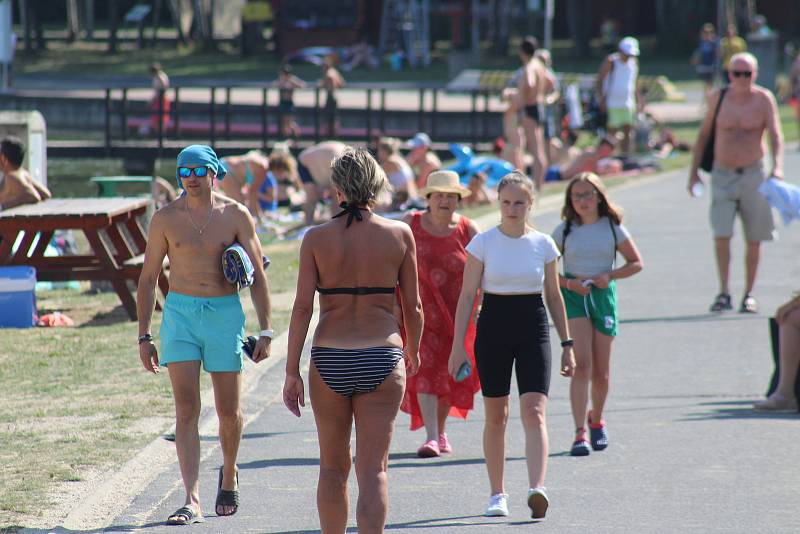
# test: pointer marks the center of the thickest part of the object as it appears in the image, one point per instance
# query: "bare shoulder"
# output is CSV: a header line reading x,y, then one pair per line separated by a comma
x,y
230,208
16,178
713,99
390,166
403,230
474,229
397,227
764,94
163,217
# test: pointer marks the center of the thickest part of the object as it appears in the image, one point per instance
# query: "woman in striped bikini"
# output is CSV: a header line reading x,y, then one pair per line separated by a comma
x,y
355,262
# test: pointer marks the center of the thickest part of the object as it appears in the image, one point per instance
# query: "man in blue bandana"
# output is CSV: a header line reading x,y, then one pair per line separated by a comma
x,y
203,320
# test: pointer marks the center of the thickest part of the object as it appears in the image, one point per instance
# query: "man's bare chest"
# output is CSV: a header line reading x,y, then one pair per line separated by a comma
x,y
748,115
187,244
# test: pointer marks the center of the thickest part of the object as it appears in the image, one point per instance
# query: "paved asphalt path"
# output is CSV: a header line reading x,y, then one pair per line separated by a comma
x,y
687,453
400,95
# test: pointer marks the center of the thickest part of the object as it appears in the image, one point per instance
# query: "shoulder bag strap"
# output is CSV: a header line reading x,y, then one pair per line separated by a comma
x,y
567,230
614,235
716,110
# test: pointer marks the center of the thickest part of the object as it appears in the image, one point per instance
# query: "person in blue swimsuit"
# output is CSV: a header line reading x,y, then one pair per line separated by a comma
x,y
356,261
281,185
246,174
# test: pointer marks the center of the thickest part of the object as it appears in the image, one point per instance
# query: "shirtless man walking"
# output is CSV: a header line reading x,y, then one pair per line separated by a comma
x,y
531,90
747,110
203,321
17,186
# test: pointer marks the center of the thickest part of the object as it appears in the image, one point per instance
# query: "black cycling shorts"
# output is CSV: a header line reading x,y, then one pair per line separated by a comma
x,y
513,333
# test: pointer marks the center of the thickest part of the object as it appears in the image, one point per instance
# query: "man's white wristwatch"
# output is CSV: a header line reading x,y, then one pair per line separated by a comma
x,y
266,333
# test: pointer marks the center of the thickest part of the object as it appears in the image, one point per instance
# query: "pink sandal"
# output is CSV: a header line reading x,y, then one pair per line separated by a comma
x,y
429,449
444,444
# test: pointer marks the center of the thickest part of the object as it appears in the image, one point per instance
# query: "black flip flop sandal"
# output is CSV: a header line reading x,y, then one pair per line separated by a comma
x,y
227,498
184,516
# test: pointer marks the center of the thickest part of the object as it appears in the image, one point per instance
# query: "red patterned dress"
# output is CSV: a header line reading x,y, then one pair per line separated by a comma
x,y
440,263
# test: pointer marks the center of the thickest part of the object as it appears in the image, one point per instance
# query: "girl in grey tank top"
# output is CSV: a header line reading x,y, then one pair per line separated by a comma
x,y
589,238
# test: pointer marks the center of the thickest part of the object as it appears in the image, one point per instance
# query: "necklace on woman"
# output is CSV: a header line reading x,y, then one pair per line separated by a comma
x,y
210,213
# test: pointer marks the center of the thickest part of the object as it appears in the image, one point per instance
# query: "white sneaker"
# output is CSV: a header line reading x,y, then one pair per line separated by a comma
x,y
498,505
538,502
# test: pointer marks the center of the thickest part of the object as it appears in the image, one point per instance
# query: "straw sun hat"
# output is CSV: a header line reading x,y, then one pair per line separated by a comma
x,y
444,182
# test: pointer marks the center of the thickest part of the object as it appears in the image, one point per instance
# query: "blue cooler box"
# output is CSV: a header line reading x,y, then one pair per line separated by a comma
x,y
17,297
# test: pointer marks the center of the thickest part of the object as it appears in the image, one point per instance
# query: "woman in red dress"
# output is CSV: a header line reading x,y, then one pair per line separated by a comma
x,y
441,235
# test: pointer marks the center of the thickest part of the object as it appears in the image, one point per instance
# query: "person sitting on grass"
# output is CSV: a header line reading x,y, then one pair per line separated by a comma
x,y
282,186
398,171
17,186
588,161
783,399
422,158
480,194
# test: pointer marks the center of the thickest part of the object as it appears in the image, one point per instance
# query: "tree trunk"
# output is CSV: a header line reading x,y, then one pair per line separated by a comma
x,y
24,15
175,11
502,19
113,23
578,19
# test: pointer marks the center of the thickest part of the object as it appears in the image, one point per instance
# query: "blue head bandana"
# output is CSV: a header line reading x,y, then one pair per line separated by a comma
x,y
200,155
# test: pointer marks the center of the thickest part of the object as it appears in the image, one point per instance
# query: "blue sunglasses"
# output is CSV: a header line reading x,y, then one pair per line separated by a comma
x,y
186,172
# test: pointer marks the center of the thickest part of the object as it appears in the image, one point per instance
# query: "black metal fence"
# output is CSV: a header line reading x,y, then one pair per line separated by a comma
x,y
176,117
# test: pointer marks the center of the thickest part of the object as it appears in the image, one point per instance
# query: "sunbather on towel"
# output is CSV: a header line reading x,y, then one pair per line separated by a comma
x,y
587,162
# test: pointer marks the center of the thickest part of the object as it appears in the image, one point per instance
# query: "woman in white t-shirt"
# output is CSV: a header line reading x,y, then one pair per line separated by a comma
x,y
513,264
589,238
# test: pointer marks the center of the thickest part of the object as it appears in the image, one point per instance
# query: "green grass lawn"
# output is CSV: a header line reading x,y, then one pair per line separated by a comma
x,y
188,61
77,400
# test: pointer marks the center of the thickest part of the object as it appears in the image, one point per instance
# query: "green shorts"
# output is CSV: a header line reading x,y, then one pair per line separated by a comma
x,y
600,306
618,117
206,329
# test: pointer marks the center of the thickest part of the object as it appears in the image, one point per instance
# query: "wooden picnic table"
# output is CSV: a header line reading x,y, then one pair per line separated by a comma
x,y
117,255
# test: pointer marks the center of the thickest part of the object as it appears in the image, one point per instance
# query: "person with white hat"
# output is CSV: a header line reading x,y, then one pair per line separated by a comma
x,y
441,235
421,158
617,89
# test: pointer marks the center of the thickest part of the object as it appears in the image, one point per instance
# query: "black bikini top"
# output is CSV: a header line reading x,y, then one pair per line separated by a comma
x,y
353,212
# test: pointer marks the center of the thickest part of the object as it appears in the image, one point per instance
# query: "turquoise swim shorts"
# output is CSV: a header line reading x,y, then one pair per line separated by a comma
x,y
206,329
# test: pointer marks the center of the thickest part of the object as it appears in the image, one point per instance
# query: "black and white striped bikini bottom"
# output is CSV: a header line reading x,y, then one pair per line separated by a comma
x,y
351,371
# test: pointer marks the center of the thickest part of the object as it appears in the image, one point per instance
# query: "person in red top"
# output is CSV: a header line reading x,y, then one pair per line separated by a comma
x,y
441,236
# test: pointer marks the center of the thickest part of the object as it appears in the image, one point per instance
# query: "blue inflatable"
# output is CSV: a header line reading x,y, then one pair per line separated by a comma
x,y
468,164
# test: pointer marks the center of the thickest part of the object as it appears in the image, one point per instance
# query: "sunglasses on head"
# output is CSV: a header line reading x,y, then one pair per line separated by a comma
x,y
741,73
186,172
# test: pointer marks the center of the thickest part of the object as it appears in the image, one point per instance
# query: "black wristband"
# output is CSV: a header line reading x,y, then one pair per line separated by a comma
x,y
567,342
145,338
